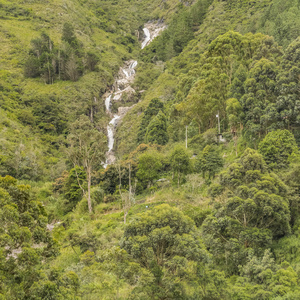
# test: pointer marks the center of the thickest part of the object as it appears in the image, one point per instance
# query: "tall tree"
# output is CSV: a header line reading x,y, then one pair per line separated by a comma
x,y
157,130
180,163
288,104
276,148
151,111
149,166
23,222
69,36
234,111
256,210
87,149
209,162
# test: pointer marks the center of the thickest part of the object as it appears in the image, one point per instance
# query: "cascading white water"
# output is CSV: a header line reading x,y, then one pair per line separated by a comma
x,y
107,103
123,82
147,38
133,66
110,132
125,72
151,31
122,85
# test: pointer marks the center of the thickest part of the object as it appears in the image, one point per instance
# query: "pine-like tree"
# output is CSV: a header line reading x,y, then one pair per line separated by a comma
x,y
157,130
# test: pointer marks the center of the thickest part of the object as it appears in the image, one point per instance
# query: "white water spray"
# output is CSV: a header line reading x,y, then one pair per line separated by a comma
x,y
122,85
147,37
151,31
125,77
107,103
110,132
125,72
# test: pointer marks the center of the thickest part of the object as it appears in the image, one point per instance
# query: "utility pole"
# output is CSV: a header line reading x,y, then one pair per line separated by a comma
x,y
219,130
218,116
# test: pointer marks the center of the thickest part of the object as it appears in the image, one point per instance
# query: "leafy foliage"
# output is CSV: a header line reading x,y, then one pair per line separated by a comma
x,y
256,211
157,130
277,147
180,163
26,245
209,162
215,58
152,110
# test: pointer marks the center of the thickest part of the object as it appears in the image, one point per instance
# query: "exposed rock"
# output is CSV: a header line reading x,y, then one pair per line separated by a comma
x,y
122,87
128,91
151,30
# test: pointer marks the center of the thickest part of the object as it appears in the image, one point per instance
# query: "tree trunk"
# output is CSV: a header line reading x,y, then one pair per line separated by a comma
x,y
89,175
125,215
59,64
92,114
129,180
235,144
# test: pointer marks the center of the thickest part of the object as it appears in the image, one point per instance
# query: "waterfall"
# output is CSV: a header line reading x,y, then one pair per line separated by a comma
x,y
147,38
122,85
110,132
107,103
133,66
125,72
152,30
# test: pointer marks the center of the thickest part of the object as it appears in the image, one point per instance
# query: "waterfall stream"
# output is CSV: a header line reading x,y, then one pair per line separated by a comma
x,y
122,86
147,37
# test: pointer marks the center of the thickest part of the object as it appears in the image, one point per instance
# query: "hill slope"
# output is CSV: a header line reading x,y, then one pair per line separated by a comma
x,y
203,199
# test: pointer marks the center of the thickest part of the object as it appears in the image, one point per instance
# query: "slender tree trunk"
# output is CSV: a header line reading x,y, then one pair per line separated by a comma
x,y
235,144
59,64
89,175
49,73
92,114
129,180
125,215
78,181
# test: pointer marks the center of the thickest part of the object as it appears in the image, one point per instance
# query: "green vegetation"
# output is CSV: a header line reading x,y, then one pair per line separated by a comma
x,y
203,200
67,62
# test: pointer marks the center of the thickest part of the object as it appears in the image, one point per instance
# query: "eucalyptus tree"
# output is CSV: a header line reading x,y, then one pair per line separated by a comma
x,y
180,163
86,149
255,211
277,147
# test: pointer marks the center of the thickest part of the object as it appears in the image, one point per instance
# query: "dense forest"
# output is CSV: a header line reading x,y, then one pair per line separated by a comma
x,y
202,200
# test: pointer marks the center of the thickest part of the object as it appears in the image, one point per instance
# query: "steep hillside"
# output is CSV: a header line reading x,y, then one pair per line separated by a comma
x,y
167,172
173,84
106,34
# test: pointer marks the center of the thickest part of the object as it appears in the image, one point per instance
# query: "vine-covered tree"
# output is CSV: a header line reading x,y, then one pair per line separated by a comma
x,y
74,187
